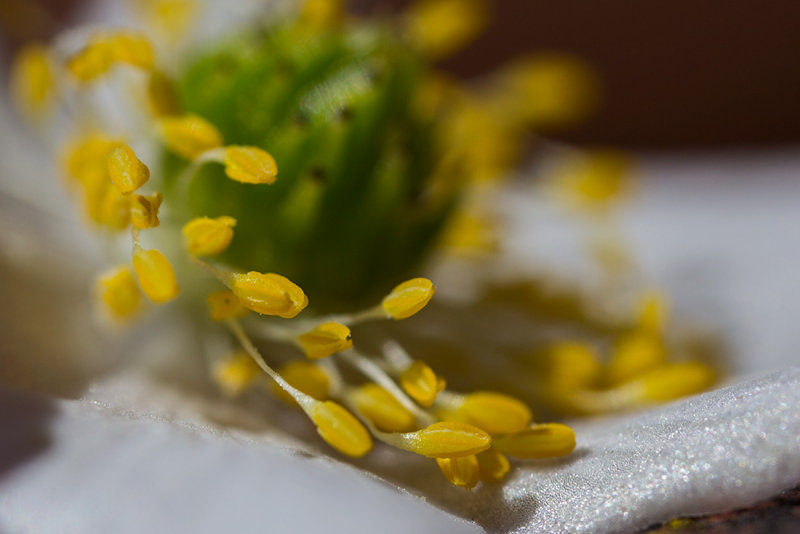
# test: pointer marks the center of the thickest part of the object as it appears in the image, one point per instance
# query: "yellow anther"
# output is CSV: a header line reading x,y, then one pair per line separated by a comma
x,y
340,429
318,14
91,62
235,374
250,165
549,90
408,298
87,157
540,441
144,210
155,275
447,439
119,293
593,180
223,305
421,383
495,413
114,209
170,17
441,27
127,173
190,135
32,82
635,353
382,409
162,95
462,472
673,381
131,48
468,232
325,340
573,365
493,465
268,294
308,377
653,312
205,236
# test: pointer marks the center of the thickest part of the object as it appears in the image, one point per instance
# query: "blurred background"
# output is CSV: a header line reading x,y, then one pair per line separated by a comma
x,y
676,75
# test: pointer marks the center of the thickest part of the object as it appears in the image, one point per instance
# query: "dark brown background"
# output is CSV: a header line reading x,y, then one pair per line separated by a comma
x,y
692,73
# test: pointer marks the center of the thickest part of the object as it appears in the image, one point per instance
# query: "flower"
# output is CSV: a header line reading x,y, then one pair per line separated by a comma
x,y
318,161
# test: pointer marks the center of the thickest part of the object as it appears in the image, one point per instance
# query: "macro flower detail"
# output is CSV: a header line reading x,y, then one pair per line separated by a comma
x,y
380,159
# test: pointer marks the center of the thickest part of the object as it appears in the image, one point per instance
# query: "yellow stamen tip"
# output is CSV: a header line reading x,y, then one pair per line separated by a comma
x,y
268,294
250,165
223,305
91,62
447,439
441,27
236,374
32,81
573,365
144,210
421,383
325,340
495,413
408,298
113,208
119,294
382,409
340,429
305,376
463,472
190,135
205,236
547,440
634,354
675,380
131,48
127,173
322,13
493,465
156,275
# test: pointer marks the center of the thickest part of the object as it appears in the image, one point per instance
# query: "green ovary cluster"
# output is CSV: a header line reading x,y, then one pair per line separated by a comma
x,y
351,211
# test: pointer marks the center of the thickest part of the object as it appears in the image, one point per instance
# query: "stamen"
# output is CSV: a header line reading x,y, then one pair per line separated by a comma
x,y
307,377
127,173
119,293
635,353
131,48
338,427
235,374
114,208
325,340
321,14
547,440
408,298
268,294
382,409
441,27
33,85
573,365
250,165
495,413
91,62
156,275
144,210
207,237
379,376
673,380
223,305
447,439
190,135
421,383
493,465
462,472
